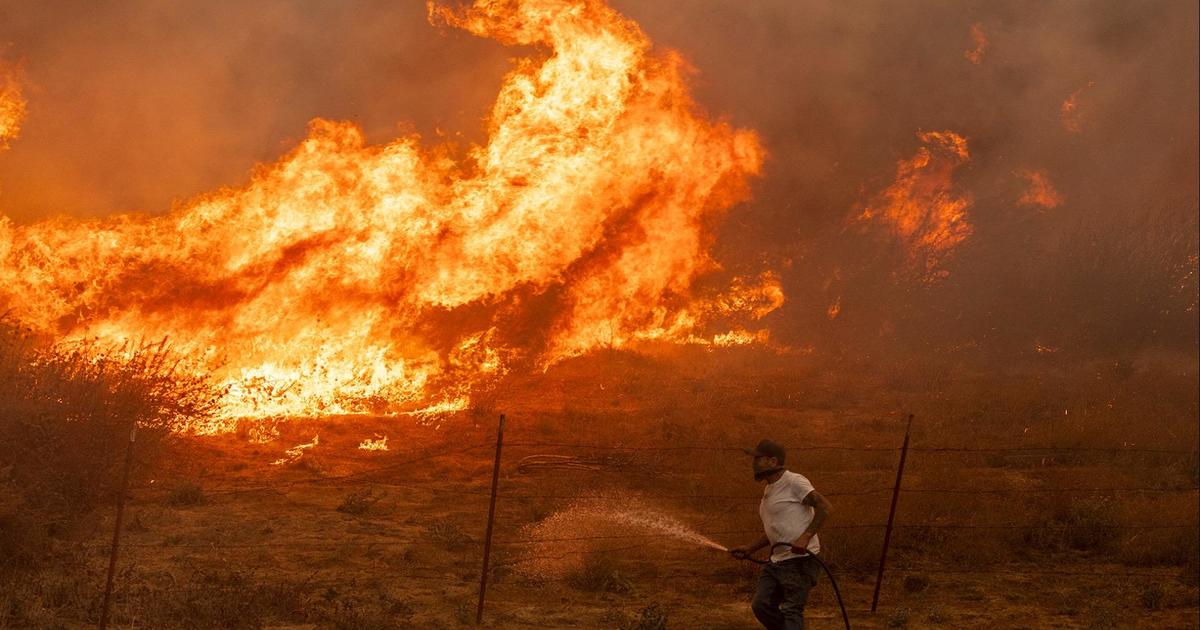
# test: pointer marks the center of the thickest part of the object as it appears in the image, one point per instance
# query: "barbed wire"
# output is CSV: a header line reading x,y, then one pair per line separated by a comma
x,y
830,447
1148,490
333,543
517,550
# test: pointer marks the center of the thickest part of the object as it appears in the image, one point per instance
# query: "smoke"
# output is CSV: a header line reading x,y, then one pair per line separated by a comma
x,y
141,104
134,106
839,92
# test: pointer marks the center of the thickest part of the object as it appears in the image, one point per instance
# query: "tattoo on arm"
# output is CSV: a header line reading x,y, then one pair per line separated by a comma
x,y
821,510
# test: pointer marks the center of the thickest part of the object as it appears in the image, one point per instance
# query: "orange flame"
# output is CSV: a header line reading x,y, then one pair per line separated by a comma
x,y
12,106
980,40
377,444
1039,190
354,278
834,309
923,207
1073,113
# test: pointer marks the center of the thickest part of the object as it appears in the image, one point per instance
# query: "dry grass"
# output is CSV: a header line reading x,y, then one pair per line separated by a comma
x,y
600,574
70,410
351,572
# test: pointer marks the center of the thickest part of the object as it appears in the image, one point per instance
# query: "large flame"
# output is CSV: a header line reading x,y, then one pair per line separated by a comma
x,y
348,277
923,207
12,106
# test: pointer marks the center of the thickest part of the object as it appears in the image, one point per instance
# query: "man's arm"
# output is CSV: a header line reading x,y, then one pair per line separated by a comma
x,y
746,550
821,511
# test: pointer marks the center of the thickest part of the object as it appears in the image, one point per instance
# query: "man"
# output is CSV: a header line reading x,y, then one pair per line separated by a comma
x,y
791,512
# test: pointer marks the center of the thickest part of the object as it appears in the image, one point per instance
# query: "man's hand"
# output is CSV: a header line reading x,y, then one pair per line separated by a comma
x,y
741,553
800,545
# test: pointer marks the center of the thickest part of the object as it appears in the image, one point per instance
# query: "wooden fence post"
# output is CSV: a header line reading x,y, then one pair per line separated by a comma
x,y
887,534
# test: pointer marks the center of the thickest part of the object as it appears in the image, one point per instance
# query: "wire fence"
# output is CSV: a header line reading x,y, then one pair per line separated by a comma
x,y
221,489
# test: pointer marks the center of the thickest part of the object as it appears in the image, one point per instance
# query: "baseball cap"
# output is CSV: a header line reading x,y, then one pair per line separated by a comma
x,y
767,448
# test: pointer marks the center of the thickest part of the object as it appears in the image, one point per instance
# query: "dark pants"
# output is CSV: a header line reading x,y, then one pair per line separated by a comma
x,y
782,592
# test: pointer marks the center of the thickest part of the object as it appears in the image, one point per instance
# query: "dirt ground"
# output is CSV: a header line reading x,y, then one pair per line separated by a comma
x,y
221,536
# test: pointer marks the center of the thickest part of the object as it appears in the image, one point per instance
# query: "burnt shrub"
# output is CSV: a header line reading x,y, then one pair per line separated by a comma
x,y
70,410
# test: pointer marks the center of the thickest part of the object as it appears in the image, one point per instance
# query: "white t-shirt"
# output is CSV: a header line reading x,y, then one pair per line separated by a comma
x,y
784,514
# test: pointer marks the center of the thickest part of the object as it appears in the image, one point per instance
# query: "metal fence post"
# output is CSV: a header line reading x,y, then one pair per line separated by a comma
x,y
112,558
487,541
887,534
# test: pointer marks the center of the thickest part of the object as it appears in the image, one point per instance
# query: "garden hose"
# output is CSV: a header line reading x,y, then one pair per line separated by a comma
x,y
828,573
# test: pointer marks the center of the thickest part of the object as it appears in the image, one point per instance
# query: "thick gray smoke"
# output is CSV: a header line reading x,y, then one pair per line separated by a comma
x,y
139,104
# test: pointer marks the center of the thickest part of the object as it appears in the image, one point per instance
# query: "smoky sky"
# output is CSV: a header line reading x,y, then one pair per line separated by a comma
x,y
141,104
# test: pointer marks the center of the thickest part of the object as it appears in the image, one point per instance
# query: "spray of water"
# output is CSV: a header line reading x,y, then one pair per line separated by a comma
x,y
561,541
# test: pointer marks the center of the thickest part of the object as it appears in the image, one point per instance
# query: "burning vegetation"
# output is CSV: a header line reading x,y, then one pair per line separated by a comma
x,y
924,208
766,222
12,106
350,277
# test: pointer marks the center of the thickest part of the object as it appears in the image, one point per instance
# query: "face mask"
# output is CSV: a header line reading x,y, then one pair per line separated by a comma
x,y
759,476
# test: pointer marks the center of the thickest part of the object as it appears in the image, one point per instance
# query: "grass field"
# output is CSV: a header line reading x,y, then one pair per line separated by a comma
x,y
1097,530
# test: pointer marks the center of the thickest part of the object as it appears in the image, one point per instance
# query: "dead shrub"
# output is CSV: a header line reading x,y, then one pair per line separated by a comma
x,y
64,581
1086,524
1151,596
915,583
360,502
448,535
70,410
898,618
599,574
216,598
185,494
652,617
22,540
368,613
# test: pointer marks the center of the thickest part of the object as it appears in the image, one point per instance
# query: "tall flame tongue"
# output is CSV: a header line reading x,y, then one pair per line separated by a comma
x,y
12,107
349,277
924,208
